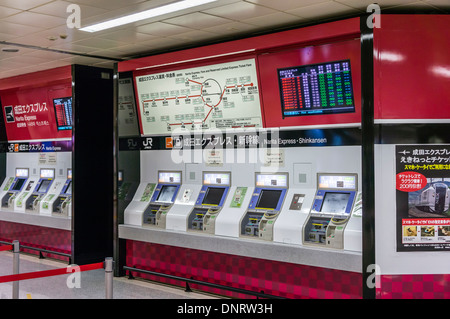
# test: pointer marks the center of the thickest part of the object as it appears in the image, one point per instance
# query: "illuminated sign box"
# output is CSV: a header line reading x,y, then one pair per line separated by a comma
x,y
324,88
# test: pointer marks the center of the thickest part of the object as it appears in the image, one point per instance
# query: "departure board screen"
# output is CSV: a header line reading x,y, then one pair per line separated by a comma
x,y
63,112
324,88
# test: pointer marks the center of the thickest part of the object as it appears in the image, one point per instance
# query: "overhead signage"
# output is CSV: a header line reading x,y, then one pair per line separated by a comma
x,y
250,139
219,96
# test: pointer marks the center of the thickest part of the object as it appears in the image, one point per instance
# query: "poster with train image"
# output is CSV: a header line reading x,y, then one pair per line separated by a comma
x,y
423,197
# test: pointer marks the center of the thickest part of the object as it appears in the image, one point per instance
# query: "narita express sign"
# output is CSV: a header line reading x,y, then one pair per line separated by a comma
x,y
30,115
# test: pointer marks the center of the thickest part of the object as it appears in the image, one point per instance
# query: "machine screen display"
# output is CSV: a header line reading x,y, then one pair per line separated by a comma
x,y
63,112
166,193
216,178
337,181
335,203
169,177
47,173
21,172
213,196
271,180
19,184
268,198
44,185
324,88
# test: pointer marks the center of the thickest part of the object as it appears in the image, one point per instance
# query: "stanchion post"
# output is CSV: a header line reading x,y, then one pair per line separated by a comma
x,y
16,254
109,275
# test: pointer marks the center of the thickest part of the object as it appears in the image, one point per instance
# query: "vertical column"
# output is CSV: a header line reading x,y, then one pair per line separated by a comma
x,y
368,162
92,164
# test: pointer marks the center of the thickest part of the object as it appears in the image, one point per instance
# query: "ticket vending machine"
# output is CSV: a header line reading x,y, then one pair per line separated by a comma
x,y
163,197
265,205
61,204
209,202
6,185
15,188
32,204
331,210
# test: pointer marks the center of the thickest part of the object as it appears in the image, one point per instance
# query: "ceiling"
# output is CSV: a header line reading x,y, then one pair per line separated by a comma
x,y
39,30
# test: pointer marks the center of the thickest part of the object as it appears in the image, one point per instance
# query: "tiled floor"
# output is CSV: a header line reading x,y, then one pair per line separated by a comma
x,y
92,283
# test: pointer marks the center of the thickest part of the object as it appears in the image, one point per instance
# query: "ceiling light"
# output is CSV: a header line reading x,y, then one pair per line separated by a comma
x,y
155,12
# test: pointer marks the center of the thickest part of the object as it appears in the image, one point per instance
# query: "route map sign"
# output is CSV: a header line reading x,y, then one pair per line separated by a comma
x,y
218,96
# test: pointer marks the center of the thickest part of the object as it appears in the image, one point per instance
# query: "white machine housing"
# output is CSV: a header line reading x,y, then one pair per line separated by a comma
x,y
163,197
11,189
134,212
227,223
58,202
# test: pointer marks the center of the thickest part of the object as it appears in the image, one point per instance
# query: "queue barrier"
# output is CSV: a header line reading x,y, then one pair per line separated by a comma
x,y
5,248
108,265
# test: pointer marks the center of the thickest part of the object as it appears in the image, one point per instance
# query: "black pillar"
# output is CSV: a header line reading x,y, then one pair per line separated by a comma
x,y
368,162
92,164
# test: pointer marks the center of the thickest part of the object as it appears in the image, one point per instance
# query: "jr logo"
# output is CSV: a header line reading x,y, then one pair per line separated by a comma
x,y
148,143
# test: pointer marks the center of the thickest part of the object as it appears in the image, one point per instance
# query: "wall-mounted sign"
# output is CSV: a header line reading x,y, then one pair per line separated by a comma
x,y
423,197
40,113
219,96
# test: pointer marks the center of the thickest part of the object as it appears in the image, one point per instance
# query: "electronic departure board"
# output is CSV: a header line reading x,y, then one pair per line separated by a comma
x,y
63,112
324,88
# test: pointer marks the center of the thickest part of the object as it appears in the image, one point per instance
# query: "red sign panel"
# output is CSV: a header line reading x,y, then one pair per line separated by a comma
x,y
30,113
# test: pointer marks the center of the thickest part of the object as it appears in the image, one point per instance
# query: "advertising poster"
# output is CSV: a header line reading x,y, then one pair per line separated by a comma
x,y
423,197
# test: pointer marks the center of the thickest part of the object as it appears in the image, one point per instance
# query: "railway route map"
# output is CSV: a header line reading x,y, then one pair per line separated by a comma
x,y
219,96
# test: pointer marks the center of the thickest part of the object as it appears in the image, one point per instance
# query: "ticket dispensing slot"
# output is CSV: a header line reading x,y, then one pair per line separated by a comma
x,y
15,188
162,199
62,204
209,202
47,176
331,210
265,206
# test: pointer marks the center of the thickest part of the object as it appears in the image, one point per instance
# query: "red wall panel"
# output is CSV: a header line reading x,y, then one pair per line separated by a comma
x,y
412,67
276,278
315,44
433,286
56,240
